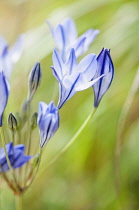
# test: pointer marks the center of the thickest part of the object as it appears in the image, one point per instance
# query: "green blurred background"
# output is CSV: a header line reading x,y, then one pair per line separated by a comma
x,y
83,178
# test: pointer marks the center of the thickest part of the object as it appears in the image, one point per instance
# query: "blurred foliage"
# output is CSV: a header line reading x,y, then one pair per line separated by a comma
x,y
83,177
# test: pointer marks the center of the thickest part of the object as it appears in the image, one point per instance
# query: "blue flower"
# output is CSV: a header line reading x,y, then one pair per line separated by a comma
x,y
16,157
65,36
73,77
4,93
105,66
48,121
9,56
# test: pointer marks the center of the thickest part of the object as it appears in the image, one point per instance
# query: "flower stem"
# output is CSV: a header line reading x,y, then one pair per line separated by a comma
x,y
19,202
28,185
72,139
6,154
120,130
4,146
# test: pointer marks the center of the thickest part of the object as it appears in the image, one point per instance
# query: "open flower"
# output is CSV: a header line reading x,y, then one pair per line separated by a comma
x,y
16,156
4,93
8,57
73,77
105,66
65,36
48,121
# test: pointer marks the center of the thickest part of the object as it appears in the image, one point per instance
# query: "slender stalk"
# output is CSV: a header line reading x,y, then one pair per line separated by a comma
x,y
66,146
72,139
120,130
4,146
6,154
28,185
19,203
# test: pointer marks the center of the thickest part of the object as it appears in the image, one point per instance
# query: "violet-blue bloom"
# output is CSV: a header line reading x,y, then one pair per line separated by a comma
x,y
48,121
66,38
8,57
16,156
105,66
4,93
74,77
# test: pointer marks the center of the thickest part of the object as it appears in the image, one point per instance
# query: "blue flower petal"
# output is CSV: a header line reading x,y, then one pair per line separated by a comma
x,y
71,64
106,67
58,64
88,66
16,157
48,121
4,93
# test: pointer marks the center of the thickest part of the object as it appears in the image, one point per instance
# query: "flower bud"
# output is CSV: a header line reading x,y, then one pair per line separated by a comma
x,y
35,160
48,121
106,67
34,80
34,120
12,122
19,120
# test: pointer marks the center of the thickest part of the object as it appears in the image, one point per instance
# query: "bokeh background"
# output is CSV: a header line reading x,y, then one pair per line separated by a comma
x,y
83,178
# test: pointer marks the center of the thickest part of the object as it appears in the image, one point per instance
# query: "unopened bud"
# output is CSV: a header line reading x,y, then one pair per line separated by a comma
x,y
34,120
34,80
12,122
35,161
19,120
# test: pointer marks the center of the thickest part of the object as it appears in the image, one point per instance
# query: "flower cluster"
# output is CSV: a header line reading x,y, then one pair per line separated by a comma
x,y
92,71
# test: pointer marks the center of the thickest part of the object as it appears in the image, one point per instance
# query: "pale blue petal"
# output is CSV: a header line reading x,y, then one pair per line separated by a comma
x,y
54,126
79,46
55,74
88,66
16,157
4,93
71,64
60,37
21,161
67,90
41,110
58,64
83,84
9,147
70,31
83,42
90,37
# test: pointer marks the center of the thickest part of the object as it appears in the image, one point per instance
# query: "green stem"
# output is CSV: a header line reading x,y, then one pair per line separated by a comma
x,y
28,185
72,139
19,203
4,146
121,127
6,154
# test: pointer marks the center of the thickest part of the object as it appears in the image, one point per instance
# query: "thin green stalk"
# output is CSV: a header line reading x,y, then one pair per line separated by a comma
x,y
72,139
19,203
28,185
7,157
120,130
4,146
